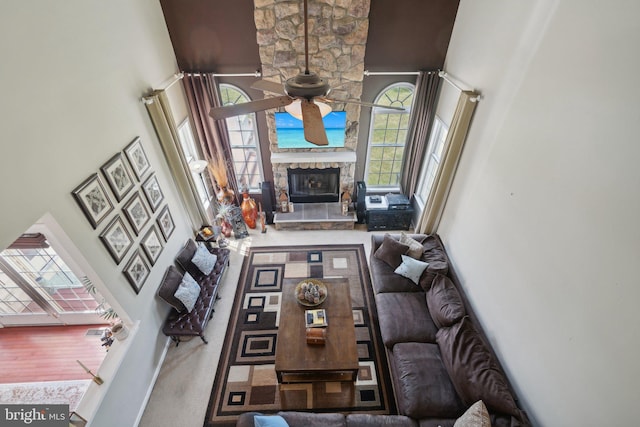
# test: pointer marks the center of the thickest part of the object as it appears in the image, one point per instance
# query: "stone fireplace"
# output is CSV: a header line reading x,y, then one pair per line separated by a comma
x,y
342,163
337,38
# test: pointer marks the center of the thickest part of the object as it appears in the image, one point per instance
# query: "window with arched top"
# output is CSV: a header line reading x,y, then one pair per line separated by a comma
x,y
243,137
388,137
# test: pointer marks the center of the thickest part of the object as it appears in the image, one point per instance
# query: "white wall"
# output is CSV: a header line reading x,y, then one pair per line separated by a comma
x,y
542,221
71,77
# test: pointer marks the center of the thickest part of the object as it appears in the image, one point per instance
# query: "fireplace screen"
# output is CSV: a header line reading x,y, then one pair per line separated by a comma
x,y
314,185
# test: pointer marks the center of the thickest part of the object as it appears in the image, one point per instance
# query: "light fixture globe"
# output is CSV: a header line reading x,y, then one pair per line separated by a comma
x,y
306,85
295,108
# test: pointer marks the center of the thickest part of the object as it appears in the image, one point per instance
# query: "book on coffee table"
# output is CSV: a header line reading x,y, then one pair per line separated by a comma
x,y
315,318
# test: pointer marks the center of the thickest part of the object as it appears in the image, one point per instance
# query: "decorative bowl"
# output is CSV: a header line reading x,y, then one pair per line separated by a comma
x,y
310,292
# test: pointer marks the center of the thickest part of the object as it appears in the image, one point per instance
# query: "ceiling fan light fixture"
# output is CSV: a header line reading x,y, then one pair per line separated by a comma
x,y
295,108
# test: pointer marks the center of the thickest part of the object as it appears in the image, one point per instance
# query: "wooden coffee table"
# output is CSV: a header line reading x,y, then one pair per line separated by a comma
x,y
337,359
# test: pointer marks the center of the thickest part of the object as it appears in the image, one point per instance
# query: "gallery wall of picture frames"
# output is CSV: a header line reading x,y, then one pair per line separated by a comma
x,y
133,192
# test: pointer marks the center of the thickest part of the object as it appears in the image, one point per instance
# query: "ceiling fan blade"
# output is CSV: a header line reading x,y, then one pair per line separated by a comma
x,y
249,107
365,104
268,86
312,122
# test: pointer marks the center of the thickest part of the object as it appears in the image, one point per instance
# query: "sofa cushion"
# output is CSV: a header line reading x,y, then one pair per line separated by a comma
x,y
435,255
444,302
310,419
403,316
476,416
384,279
368,420
184,259
411,268
390,251
203,259
415,248
269,421
169,286
422,385
474,371
188,292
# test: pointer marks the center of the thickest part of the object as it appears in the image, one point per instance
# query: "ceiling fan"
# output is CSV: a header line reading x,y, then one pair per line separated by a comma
x,y
305,87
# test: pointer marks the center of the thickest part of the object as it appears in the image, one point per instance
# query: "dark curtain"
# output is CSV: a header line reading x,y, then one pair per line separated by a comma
x,y
202,95
424,110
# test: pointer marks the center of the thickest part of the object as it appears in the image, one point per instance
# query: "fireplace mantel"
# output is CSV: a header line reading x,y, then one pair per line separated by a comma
x,y
314,157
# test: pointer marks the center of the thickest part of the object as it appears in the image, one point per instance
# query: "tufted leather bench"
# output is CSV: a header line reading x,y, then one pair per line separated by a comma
x,y
182,323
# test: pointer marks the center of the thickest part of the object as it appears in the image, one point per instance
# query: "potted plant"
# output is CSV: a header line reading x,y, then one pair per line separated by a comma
x,y
118,329
223,216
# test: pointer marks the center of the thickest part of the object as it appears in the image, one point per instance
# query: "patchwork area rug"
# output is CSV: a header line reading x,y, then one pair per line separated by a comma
x,y
246,379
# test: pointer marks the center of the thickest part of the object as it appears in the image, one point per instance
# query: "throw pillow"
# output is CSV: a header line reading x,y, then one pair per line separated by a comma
x,y
390,251
476,416
474,372
444,302
168,287
411,268
269,421
415,247
188,292
204,259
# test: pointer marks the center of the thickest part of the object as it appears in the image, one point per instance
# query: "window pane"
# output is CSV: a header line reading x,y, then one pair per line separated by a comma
x,y
387,136
243,138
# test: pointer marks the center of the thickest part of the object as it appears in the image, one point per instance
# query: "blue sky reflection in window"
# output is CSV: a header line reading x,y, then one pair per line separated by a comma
x,y
290,133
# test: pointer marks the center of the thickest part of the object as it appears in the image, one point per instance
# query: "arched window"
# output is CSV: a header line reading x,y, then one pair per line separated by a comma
x,y
388,136
243,137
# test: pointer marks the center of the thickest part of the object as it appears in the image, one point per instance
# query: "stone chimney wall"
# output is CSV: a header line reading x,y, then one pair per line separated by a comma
x,y
337,32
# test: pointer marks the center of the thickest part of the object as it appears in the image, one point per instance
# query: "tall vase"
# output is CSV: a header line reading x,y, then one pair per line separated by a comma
x,y
249,210
225,195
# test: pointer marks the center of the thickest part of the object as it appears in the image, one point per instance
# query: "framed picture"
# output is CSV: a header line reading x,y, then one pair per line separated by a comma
x,y
165,222
118,176
153,193
136,213
137,270
137,158
93,199
152,244
117,239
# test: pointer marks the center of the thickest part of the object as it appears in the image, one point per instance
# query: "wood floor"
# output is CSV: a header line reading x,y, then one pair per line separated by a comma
x,y
49,353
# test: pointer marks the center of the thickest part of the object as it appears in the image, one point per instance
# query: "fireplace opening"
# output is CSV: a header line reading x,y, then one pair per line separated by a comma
x,y
314,185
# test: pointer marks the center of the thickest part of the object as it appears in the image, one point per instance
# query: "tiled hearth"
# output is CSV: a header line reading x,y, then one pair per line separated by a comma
x,y
315,216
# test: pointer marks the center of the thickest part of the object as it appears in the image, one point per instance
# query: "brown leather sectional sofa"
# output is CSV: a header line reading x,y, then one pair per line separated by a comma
x,y
439,358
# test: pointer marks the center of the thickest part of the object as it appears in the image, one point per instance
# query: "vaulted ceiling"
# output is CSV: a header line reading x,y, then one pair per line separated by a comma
x,y
220,35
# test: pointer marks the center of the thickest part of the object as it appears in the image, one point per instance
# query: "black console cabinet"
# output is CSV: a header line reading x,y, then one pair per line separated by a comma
x,y
389,219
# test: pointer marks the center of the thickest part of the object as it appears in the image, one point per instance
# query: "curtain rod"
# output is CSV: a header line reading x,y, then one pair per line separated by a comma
x,y
256,73
445,76
169,82
392,73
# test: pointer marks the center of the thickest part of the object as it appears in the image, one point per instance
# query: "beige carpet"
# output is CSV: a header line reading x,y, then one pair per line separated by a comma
x,y
181,393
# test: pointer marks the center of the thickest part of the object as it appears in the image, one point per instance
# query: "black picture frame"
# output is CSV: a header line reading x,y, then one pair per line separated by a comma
x,y
137,213
152,244
93,199
137,270
117,239
152,192
118,176
137,158
165,222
